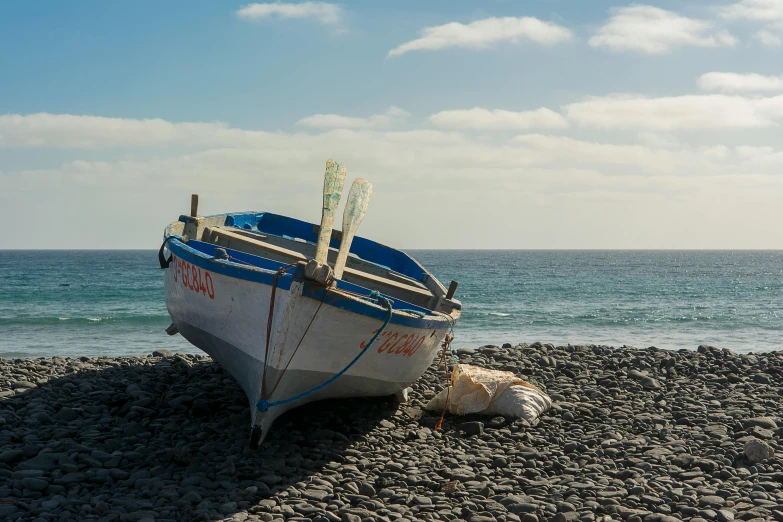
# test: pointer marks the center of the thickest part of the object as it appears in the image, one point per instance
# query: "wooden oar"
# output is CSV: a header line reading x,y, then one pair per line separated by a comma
x,y
334,181
355,208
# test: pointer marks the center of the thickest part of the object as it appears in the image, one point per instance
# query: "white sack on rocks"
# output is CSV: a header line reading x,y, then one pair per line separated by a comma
x,y
492,392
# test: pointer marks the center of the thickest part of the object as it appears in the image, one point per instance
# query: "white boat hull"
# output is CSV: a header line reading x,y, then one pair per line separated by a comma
x,y
315,334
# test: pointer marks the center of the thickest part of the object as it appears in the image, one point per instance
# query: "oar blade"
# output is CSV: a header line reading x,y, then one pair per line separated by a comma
x,y
357,203
334,181
355,209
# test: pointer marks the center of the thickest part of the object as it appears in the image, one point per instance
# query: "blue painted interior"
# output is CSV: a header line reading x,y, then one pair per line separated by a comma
x,y
246,220
245,266
290,228
371,251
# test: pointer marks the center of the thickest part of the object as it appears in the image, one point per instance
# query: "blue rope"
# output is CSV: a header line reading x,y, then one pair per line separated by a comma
x,y
263,405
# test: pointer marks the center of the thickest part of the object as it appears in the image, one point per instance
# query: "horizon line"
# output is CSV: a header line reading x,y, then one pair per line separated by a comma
x,y
442,249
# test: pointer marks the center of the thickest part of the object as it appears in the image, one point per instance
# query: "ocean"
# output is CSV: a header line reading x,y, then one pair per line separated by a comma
x,y
90,303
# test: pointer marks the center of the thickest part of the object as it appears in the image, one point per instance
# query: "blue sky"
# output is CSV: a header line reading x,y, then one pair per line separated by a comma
x,y
653,116
186,61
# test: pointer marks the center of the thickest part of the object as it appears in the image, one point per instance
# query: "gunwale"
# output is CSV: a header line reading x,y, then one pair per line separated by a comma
x,y
344,294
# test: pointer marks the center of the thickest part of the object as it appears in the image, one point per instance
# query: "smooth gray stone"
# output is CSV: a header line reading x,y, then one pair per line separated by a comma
x,y
11,456
724,515
757,450
43,461
9,511
27,473
66,414
523,507
71,478
762,422
472,428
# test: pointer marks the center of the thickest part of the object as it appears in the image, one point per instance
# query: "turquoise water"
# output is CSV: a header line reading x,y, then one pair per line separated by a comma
x,y
669,299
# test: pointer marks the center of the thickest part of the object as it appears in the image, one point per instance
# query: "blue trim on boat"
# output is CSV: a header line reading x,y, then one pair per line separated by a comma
x,y
290,228
258,269
243,257
246,272
261,270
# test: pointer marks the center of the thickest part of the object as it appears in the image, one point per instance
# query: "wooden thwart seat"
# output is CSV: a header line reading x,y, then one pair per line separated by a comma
x,y
256,245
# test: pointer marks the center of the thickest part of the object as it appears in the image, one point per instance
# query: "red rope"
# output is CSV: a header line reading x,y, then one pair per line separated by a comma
x,y
445,345
280,271
298,345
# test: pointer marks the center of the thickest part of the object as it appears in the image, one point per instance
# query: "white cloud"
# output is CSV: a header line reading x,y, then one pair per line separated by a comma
x,y
750,152
336,121
323,12
651,30
735,82
565,150
757,10
219,148
691,112
768,38
658,140
552,175
482,33
485,119
644,159
70,131
769,12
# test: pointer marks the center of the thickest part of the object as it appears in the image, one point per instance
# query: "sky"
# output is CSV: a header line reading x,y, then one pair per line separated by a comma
x,y
520,124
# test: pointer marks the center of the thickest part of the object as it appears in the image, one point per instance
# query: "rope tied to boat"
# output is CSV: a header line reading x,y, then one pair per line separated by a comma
x,y
374,295
446,345
282,270
293,354
222,254
264,404
164,263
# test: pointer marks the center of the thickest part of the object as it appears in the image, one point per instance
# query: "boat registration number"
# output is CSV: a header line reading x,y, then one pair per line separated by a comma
x,y
394,343
193,278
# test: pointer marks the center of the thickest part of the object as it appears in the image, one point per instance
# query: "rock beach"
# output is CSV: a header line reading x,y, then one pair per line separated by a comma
x,y
638,435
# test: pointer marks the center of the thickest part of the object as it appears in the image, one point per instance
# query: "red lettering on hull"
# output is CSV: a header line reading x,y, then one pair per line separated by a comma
x,y
193,278
396,344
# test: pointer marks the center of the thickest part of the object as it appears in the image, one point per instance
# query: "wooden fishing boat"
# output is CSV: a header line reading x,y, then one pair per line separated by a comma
x,y
297,312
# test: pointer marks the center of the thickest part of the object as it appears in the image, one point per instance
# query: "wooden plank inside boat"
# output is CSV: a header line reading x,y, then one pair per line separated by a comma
x,y
239,240
308,249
